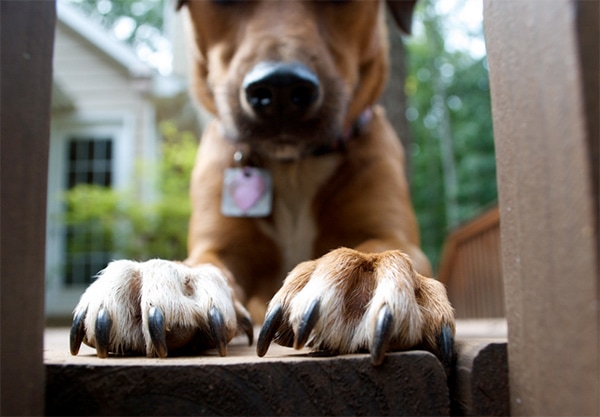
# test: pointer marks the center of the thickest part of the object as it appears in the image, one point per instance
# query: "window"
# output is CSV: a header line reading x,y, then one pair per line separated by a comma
x,y
85,148
89,161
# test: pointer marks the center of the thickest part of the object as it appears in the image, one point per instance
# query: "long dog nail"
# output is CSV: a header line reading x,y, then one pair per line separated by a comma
x,y
77,333
309,319
102,333
218,330
445,346
382,336
156,327
268,329
246,325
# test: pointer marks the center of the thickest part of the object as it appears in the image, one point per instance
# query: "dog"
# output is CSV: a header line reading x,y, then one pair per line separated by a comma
x,y
301,214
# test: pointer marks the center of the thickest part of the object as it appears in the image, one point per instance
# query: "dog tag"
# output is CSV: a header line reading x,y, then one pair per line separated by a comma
x,y
247,192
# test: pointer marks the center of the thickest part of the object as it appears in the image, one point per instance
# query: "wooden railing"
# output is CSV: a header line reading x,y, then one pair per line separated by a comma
x,y
471,268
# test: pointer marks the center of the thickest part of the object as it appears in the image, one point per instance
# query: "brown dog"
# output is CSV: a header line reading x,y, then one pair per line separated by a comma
x,y
299,171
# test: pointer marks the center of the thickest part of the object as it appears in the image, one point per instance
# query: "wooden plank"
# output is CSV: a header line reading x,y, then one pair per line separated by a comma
x,y
589,56
285,382
407,383
27,33
549,227
480,384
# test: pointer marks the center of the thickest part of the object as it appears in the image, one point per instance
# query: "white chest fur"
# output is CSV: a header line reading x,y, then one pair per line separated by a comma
x,y
295,186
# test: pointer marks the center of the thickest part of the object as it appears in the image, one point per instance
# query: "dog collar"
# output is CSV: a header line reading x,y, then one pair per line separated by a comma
x,y
356,129
248,190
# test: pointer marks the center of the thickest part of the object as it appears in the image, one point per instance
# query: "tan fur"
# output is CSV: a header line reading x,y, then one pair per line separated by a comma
x,y
346,214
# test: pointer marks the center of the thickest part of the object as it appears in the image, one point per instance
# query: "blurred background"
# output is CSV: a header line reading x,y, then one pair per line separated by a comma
x,y
124,133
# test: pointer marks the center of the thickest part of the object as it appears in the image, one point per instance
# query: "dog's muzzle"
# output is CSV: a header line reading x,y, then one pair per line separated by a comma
x,y
285,112
281,91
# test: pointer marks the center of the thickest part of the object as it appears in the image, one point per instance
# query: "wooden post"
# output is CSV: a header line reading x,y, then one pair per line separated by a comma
x,y
27,33
543,61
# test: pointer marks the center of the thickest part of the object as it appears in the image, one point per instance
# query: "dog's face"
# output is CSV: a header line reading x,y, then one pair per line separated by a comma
x,y
287,77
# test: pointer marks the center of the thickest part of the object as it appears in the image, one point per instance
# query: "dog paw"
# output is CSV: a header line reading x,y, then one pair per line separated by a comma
x,y
348,302
157,307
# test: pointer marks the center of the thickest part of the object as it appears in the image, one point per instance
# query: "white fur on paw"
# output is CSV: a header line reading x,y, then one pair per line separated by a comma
x,y
185,296
127,291
116,290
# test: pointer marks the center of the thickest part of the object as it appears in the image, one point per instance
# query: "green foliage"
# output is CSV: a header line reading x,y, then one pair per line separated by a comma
x,y
448,104
139,229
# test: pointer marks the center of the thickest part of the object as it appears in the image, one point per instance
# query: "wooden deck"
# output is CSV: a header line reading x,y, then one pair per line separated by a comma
x,y
285,382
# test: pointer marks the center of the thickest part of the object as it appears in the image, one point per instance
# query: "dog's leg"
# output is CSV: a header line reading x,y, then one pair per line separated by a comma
x,y
156,307
348,301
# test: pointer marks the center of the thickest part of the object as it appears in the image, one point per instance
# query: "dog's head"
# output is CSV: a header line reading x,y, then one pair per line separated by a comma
x,y
288,77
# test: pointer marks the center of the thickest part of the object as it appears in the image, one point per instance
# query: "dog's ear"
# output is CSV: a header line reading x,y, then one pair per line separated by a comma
x,y
180,4
402,10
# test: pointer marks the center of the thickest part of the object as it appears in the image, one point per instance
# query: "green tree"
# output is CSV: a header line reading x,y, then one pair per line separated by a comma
x,y
453,176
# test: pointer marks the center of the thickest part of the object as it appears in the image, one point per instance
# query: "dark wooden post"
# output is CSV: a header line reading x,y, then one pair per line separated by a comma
x,y
543,61
27,33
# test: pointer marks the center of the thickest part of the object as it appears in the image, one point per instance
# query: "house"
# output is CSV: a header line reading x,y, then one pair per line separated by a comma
x,y
104,115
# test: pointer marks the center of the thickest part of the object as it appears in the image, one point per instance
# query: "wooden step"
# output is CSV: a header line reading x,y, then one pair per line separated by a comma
x,y
285,382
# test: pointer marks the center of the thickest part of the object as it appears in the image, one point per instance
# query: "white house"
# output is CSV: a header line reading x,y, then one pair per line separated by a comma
x,y
103,118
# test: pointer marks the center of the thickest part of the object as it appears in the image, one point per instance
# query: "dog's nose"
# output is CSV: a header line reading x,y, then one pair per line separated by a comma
x,y
281,89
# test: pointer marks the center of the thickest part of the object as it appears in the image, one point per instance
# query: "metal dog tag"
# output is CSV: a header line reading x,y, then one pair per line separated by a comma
x,y
247,192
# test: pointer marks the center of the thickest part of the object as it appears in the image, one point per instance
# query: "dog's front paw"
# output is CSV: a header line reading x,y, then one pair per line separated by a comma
x,y
349,302
155,307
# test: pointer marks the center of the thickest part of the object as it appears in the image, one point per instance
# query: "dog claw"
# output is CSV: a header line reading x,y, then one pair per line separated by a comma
x,y
246,325
77,333
268,330
218,330
102,333
445,346
382,336
308,322
158,335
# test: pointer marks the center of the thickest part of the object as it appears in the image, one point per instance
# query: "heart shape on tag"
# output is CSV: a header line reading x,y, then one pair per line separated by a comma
x,y
246,188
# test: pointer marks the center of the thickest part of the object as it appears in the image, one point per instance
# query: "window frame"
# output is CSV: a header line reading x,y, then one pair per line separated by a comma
x,y
60,297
